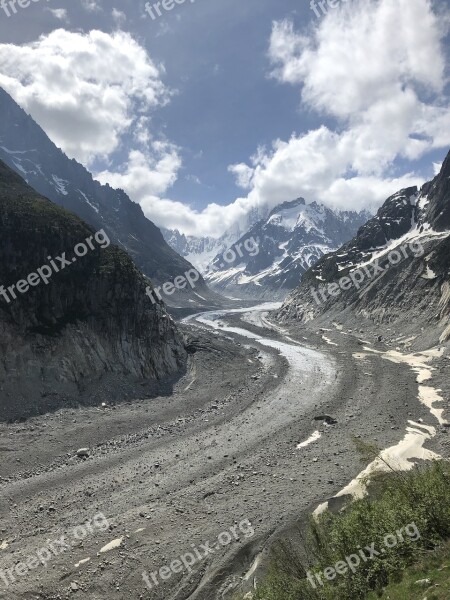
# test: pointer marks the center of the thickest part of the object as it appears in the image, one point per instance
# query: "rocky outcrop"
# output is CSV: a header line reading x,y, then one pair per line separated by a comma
x,y
90,334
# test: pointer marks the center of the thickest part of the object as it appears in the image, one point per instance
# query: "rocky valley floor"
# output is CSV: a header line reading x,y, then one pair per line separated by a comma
x,y
214,470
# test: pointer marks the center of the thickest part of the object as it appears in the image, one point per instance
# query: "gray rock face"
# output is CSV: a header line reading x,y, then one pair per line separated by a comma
x,y
437,192
90,334
412,230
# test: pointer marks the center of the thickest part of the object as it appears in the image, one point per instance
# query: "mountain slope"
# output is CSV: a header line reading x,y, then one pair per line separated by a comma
x,y
293,237
396,270
90,333
26,148
199,251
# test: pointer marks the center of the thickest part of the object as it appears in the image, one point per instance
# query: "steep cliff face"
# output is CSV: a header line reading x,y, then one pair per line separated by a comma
x,y
436,199
86,331
396,269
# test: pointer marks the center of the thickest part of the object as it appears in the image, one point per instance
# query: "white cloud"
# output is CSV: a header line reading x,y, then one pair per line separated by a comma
x,y
363,53
83,89
213,220
244,175
315,165
146,174
377,68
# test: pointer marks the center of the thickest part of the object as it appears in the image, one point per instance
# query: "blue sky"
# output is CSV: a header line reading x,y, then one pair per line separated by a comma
x,y
344,109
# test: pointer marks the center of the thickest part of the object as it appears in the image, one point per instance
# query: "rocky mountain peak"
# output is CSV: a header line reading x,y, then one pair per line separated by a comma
x,y
288,205
395,270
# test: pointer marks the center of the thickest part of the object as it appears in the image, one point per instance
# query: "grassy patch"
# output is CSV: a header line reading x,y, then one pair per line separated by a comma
x,y
413,509
434,566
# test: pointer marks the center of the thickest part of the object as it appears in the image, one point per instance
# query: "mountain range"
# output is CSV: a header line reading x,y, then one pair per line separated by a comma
x,y
294,236
297,242
202,250
396,270
290,239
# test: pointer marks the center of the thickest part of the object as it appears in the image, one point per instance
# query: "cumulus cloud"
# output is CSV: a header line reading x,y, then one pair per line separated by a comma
x,y
211,221
363,53
146,174
83,89
374,69
378,69
315,165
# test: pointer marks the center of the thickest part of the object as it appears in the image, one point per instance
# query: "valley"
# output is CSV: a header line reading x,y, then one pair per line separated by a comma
x,y
242,381
172,473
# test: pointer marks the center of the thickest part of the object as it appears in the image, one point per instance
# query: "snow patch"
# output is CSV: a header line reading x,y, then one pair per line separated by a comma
x,y
312,438
60,185
88,202
112,545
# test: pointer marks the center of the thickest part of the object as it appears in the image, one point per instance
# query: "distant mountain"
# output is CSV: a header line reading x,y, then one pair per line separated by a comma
x,y
26,148
81,330
396,269
201,251
293,237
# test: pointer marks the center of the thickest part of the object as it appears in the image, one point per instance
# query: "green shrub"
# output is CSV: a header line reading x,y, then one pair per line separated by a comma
x,y
421,496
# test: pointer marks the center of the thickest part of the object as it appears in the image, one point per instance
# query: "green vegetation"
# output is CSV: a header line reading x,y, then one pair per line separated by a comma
x,y
40,227
435,567
421,551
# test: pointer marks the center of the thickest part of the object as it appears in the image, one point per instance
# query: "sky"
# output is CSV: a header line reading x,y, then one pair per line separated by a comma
x,y
211,108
